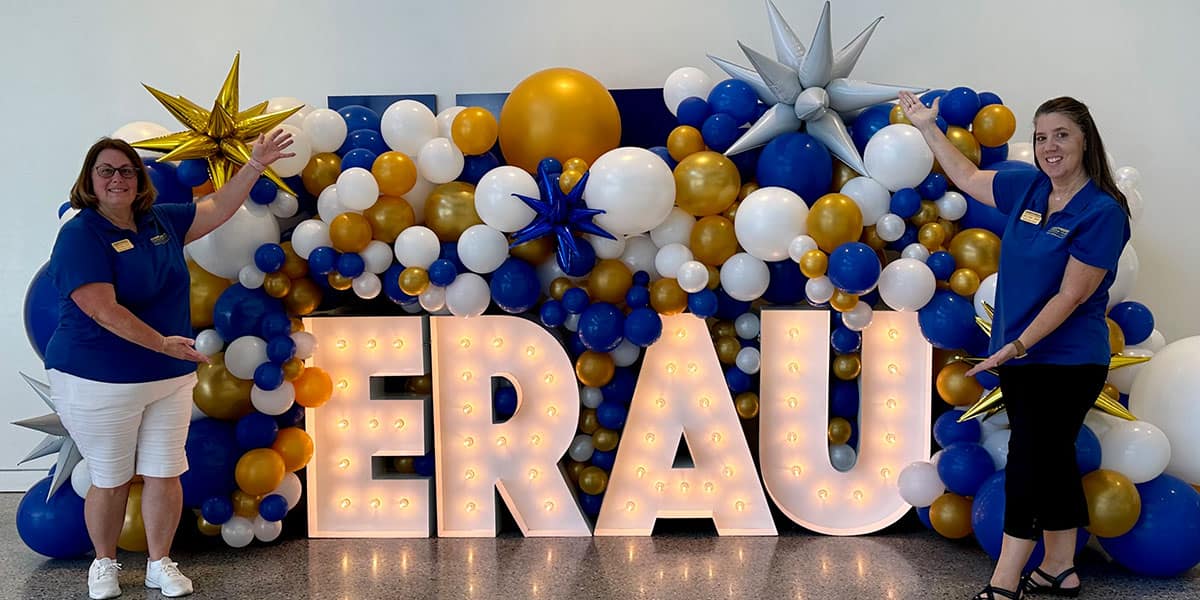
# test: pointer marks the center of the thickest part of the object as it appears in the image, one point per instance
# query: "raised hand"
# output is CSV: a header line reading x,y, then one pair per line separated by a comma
x,y
920,115
270,147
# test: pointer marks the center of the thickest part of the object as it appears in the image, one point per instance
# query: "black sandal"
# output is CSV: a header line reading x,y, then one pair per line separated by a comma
x,y
992,592
1055,585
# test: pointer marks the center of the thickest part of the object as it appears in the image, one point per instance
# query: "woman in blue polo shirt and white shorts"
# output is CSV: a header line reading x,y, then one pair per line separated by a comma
x,y
1067,225
121,363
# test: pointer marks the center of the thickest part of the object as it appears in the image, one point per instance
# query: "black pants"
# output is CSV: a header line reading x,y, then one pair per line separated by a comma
x,y
1046,405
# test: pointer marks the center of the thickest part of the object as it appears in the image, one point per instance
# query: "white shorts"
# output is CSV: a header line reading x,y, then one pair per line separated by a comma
x,y
120,426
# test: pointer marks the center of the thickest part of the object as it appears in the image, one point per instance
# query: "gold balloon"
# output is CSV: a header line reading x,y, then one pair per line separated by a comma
x,y
259,471
560,113
951,227
292,368
927,214
834,220
204,291
965,142
207,528
706,183
976,249
594,369
293,266
731,212
897,116
955,387
838,431
414,281
303,298
747,188
683,141
388,217
245,505
1114,503
534,252
724,328
964,282
339,282
474,130
746,404
593,480
420,384
297,324
314,387
667,297
568,179
587,421
950,516
395,172
932,236
605,439
842,301
276,285
403,465
575,164
609,281
847,366
994,125
841,174
814,263
713,240
218,393
727,347
872,239
321,172
133,529
574,468
559,286
450,210
294,446
350,232
1116,337
714,277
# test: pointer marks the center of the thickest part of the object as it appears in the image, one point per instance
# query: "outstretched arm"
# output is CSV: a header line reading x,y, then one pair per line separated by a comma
x,y
213,211
965,175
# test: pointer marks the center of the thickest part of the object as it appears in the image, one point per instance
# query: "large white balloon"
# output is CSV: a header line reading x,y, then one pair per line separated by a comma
x,y
326,130
468,295
1135,449
996,443
907,284
919,484
310,235
692,276
81,478
244,355
768,220
440,161
1124,377
1154,343
676,229
495,199
1127,273
417,246
445,121
898,157
634,187
377,256
290,489
745,277
406,125
1164,394
606,248
292,165
279,103
872,198
138,131
356,189
639,255
228,248
482,249
329,204
416,197
684,83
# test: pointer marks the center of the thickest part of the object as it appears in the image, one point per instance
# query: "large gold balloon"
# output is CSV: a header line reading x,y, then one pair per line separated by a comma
x,y
609,281
558,113
706,183
276,285
314,387
218,393
814,263
133,529
713,240
950,516
605,439
847,366
293,266
955,387
1114,503
587,421
994,125
259,471
295,446
534,252
593,480
388,217
727,347
395,172
965,142
683,141
1116,337
841,174
350,232
976,249
321,172
474,130
594,369
667,297
303,298
450,210
205,289
839,431
834,220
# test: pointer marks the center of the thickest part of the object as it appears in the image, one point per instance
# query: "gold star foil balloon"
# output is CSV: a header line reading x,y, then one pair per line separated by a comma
x,y
221,136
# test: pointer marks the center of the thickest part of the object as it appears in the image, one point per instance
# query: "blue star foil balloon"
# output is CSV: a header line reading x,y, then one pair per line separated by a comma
x,y
565,216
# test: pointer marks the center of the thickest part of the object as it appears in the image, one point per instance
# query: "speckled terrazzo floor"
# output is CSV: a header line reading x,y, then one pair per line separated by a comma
x,y
907,562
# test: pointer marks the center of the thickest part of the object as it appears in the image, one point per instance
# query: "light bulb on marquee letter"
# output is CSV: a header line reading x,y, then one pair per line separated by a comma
x,y
723,485
894,420
534,439
344,498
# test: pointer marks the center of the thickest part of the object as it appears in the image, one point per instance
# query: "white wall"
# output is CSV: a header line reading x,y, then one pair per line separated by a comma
x,y
71,73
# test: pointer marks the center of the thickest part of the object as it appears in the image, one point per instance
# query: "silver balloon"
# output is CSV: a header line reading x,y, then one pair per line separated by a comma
x,y
591,397
581,448
843,457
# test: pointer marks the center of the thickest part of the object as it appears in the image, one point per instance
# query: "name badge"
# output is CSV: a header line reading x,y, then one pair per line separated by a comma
x,y
1031,217
122,245
1059,232
160,239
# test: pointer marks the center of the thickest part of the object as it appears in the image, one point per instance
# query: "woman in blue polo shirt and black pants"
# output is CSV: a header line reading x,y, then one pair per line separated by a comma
x,y
121,363
1067,225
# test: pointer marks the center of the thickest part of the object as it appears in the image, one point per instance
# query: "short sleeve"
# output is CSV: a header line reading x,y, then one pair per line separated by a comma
x,y
1010,186
79,258
1099,239
177,216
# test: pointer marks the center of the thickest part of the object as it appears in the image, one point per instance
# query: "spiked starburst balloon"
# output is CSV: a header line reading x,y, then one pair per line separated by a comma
x,y
221,136
57,439
562,215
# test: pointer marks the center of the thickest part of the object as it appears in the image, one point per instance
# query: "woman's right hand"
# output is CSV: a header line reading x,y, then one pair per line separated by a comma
x,y
920,115
177,346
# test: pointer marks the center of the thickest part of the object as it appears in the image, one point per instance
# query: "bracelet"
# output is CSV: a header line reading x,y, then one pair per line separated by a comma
x,y
1021,351
257,166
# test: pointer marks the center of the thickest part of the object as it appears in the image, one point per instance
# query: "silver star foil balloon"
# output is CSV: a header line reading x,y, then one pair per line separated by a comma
x,y
57,438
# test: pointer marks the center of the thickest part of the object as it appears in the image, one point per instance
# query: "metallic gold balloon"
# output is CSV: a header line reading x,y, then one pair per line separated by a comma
x,y
727,348
575,164
1116,337
594,369
683,141
303,298
474,130
350,232
587,421
605,439
450,210
838,431
609,281
245,505
204,291
714,277
872,239
706,183
964,282
321,172
339,282
276,285
950,226
388,217
927,214
313,387
403,465
207,528
259,471
395,173
842,302
534,252
559,286
593,480
746,404
955,387
724,328
897,116
667,297
560,113
976,249
731,212
574,468
932,236
814,263
414,281
994,125
420,384
1114,503
293,266
295,446
847,366
841,174
292,368
833,220
133,529
568,179
713,240
965,142
218,393
747,188
950,516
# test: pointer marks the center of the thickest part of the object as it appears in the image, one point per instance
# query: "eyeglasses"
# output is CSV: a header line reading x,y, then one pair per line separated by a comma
x,y
106,171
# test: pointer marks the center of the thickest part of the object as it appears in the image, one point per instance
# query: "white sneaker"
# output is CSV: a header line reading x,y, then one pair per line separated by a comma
x,y
102,579
163,575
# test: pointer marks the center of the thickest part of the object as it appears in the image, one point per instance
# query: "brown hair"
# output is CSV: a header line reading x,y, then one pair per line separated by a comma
x,y
1095,159
83,195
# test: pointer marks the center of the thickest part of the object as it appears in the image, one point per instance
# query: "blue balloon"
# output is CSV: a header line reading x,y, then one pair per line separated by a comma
x,y
964,467
264,191
620,387
990,155
643,326
575,300
391,284
424,465
550,165
166,183
906,202
294,417
590,503
1087,450
845,341
442,272
275,324
747,163
987,380
476,166
928,97
322,260
281,349
786,285
240,311
693,111
908,237
798,162
1135,320
720,131
987,520
637,296
41,310
364,138
737,380
212,453
982,216
192,172
735,98
843,399
641,278
923,517
868,122
611,415
933,187
217,510
272,508
604,459
663,153
504,401
601,326
986,98
53,527
256,430
269,258
449,252
703,304
515,286
729,308
575,346
268,376
552,313
351,265
942,264
959,106
1165,542
359,158
577,264
948,431
948,321
854,267
358,116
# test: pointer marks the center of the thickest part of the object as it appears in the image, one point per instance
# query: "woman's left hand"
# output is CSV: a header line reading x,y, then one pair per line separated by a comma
x,y
1001,356
270,147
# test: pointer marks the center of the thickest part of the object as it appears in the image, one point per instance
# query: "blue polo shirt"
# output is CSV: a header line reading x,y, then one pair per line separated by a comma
x,y
1092,227
150,276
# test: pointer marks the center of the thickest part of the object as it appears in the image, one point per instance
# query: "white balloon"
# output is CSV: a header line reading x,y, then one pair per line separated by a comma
x,y
482,249
417,246
898,157
1135,449
496,202
273,402
859,317
1164,394
440,161
670,258
919,484
996,443
606,248
692,276
468,295
1124,377
238,532
209,342
417,196
819,290
634,187
916,251
228,248
986,293
1154,343
284,205
433,298
572,323
591,397
377,256
1136,206
279,103
70,214
872,198
326,130
266,531
138,131
907,284
684,83
367,285
676,229
329,204
768,220
357,189
547,272
250,277
305,344
890,227
310,235
937,456
745,277
746,326
799,245
842,457
244,355
1021,151
748,360
1128,176
1099,423
406,125
81,478
581,447
951,206
639,255
1127,273
445,121
290,489
292,165
626,354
